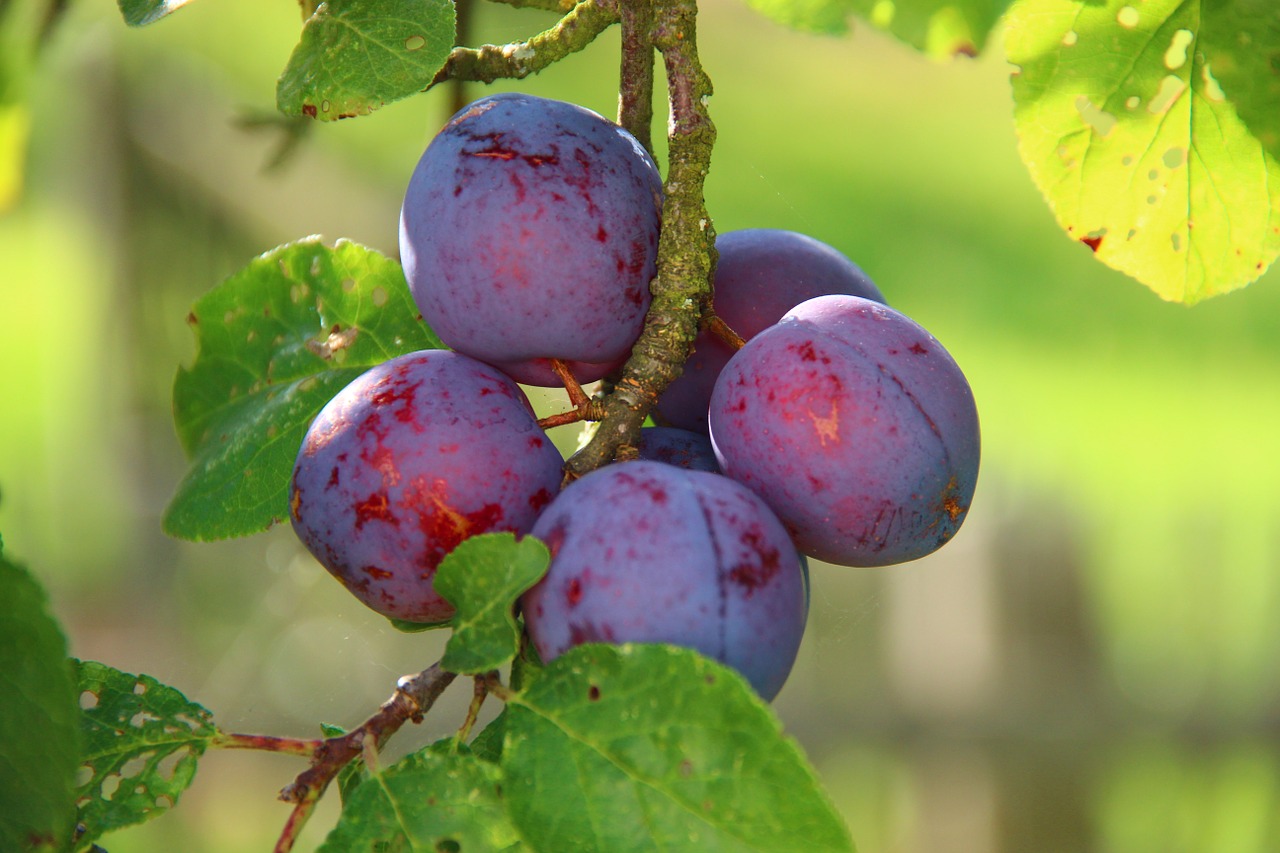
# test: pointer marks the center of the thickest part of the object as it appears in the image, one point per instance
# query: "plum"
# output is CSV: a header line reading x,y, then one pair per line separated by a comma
x,y
648,552
413,457
855,426
529,231
678,447
762,273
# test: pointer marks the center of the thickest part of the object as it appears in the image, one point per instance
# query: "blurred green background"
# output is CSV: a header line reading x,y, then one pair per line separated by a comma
x,y
1092,664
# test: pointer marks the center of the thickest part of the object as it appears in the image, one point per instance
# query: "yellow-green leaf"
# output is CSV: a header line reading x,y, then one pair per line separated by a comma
x,y
1140,148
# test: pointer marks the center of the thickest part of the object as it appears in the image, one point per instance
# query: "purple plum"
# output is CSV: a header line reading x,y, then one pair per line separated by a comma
x,y
762,273
648,552
413,457
529,231
855,426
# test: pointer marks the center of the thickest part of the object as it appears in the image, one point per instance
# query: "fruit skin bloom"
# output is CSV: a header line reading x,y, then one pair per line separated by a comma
x,y
652,553
855,426
529,231
410,459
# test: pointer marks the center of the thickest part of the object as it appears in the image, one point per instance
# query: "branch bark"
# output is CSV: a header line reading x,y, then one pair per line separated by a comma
x,y
686,248
518,60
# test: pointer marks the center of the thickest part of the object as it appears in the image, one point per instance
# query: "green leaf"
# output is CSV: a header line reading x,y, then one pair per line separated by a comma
x,y
276,341
650,747
482,578
940,28
139,13
1128,130
142,741
39,719
436,799
356,55
487,746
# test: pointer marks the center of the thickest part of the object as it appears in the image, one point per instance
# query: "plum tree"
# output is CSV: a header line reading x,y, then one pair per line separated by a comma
x,y
414,456
648,552
760,275
855,426
528,232
678,447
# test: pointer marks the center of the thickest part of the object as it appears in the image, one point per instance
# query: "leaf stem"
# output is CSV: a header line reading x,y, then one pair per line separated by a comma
x,y
517,60
686,247
480,688
267,743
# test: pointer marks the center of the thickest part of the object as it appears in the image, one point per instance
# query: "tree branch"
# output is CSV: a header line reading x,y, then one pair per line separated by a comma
x,y
686,248
414,696
491,62
635,78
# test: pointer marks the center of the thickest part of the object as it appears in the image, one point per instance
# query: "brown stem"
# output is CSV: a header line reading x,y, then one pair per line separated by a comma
x,y
414,697
721,330
458,96
294,825
577,396
635,79
686,247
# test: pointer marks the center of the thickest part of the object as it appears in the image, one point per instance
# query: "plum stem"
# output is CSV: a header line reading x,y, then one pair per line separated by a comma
x,y
584,408
268,743
721,330
489,62
686,246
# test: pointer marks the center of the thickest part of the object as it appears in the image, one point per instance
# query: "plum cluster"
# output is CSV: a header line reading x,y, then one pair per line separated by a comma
x,y
840,430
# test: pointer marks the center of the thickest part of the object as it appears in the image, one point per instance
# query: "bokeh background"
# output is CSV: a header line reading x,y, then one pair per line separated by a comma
x,y
1092,664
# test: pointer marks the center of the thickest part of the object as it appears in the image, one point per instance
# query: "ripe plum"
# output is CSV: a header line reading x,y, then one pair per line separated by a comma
x,y
413,457
678,447
855,426
648,552
762,273
529,231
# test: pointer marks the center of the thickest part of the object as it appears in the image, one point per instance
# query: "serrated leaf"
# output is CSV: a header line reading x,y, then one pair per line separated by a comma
x,y
39,719
650,747
275,342
142,742
1138,148
941,29
139,13
356,55
482,578
436,799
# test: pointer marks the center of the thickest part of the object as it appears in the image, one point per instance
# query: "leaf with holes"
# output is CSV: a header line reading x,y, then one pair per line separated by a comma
x,y
644,747
435,799
941,29
1140,150
139,13
482,578
142,740
276,341
39,719
356,55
